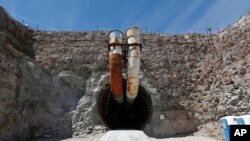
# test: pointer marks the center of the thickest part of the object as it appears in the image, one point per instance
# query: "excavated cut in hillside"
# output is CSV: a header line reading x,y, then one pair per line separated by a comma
x,y
187,82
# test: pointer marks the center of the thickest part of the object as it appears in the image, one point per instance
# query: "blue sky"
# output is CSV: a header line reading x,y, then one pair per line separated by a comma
x,y
162,16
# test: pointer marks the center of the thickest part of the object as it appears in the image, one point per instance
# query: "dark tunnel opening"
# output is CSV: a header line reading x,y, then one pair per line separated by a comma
x,y
125,116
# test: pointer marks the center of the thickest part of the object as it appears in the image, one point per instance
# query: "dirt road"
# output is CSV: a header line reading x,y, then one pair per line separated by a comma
x,y
130,135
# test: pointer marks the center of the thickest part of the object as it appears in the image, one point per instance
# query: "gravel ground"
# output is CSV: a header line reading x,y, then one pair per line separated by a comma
x,y
130,136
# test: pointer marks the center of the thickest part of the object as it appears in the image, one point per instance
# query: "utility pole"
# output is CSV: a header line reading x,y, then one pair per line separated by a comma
x,y
209,30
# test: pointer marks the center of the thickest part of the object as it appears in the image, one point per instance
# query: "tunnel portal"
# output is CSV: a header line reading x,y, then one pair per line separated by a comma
x,y
124,116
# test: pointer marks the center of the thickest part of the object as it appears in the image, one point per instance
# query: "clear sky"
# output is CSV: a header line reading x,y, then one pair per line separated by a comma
x,y
162,16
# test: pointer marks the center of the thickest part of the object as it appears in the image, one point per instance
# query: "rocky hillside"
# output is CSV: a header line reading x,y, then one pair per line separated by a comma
x,y
17,35
34,102
207,74
203,76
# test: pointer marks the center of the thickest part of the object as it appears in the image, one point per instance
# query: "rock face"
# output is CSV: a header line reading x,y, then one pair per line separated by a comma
x,y
193,80
34,102
88,51
17,35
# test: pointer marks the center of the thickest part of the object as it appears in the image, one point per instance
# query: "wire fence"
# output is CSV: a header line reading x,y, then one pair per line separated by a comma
x,y
209,29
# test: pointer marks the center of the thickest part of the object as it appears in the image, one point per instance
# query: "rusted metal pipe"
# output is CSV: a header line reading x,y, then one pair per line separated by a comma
x,y
133,68
115,66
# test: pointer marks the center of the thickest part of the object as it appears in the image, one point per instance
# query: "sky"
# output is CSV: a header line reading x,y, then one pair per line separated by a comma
x,y
161,16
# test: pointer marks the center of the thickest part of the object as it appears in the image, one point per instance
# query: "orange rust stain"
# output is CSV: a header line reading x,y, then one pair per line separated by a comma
x,y
135,54
133,31
131,87
115,71
114,40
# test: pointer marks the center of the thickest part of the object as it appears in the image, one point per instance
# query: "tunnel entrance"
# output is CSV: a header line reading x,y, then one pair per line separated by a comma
x,y
124,116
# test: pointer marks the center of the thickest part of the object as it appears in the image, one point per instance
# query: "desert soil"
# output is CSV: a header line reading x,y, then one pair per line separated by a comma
x,y
130,135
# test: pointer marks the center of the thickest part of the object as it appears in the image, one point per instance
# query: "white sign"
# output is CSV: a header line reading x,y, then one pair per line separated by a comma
x,y
162,117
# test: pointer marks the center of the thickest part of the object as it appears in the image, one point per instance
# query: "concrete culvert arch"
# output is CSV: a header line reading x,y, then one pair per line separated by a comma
x,y
123,116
